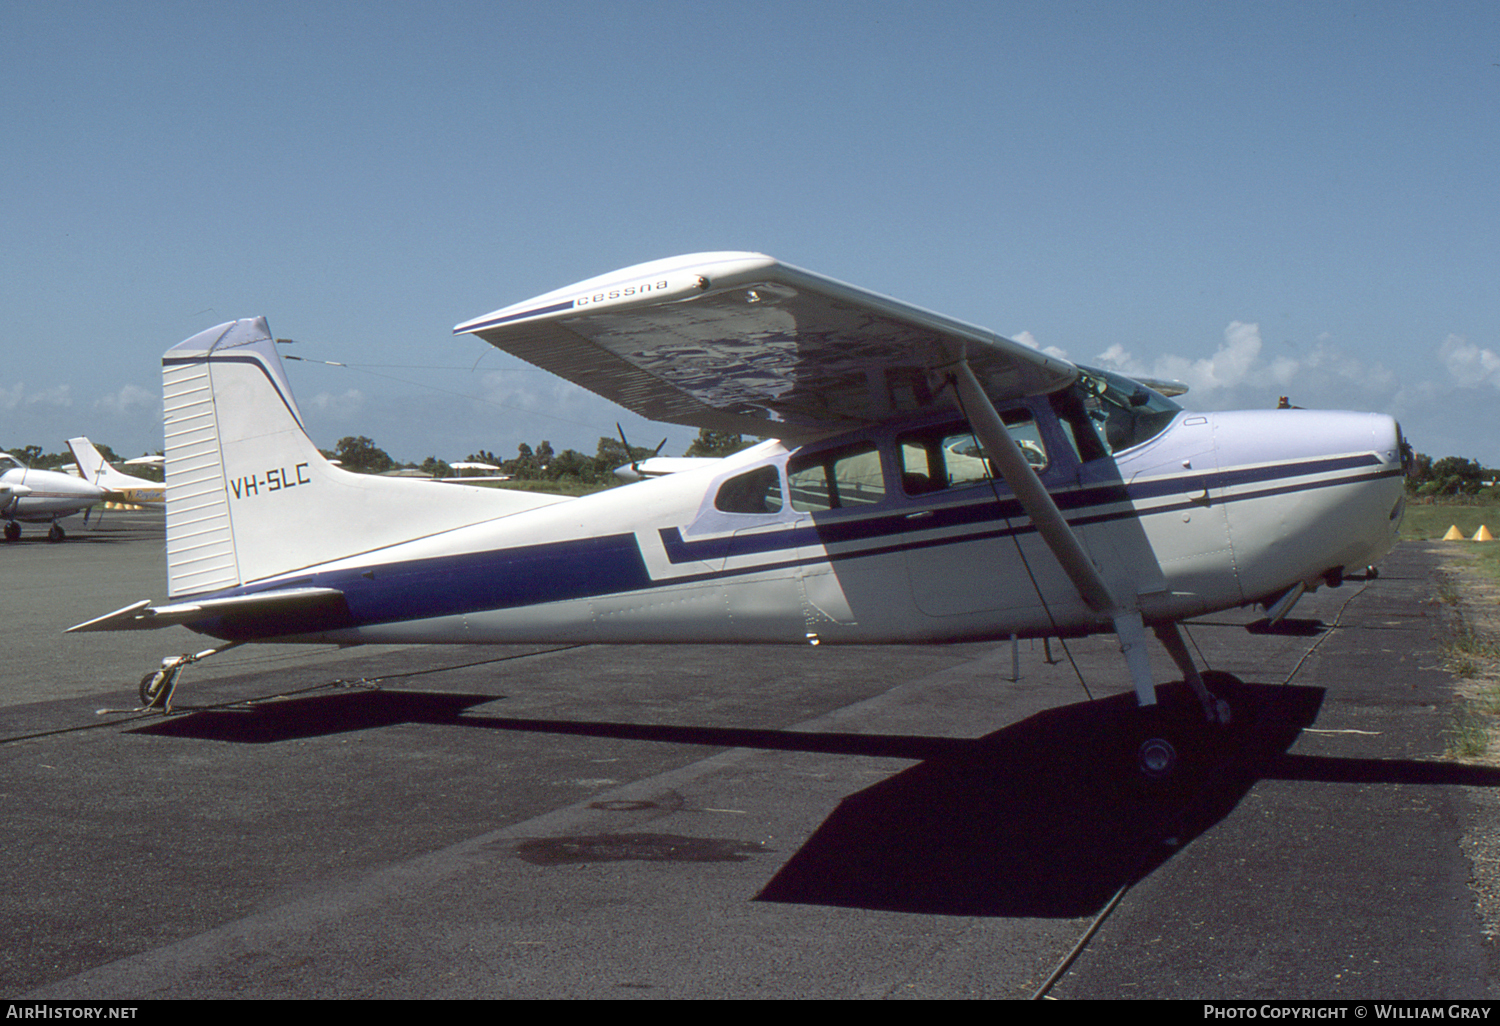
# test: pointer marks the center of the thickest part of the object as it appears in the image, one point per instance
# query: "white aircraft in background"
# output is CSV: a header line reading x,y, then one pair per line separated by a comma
x,y
656,465
660,466
118,486
1099,505
41,497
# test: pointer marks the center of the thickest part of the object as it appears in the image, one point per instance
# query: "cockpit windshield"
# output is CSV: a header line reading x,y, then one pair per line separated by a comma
x,y
9,462
1126,411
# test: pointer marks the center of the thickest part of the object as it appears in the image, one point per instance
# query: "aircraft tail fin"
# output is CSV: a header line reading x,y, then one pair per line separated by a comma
x,y
91,464
249,497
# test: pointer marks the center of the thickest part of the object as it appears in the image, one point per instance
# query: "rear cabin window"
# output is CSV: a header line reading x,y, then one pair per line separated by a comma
x,y
949,456
757,491
836,478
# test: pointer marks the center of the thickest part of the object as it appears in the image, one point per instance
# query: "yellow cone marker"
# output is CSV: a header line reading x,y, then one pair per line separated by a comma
x,y
1454,534
1483,534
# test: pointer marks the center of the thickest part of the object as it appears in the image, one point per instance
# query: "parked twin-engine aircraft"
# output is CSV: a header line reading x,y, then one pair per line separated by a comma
x,y
924,480
118,486
41,497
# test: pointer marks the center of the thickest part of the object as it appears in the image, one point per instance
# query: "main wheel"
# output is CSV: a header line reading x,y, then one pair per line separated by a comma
x,y
1157,758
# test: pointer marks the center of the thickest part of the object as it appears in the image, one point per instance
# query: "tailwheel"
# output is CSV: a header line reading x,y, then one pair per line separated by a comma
x,y
56,533
157,686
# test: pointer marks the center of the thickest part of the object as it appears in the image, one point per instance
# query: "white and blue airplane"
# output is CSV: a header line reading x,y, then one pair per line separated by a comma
x,y
41,497
923,480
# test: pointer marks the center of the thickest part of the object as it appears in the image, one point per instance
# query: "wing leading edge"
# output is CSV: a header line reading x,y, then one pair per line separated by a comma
x,y
740,342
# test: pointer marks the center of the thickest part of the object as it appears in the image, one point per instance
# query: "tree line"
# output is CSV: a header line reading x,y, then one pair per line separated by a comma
x,y
1445,478
38,459
539,463
1449,477
359,453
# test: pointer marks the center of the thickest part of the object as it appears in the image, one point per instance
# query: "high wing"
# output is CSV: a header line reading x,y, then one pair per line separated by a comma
x,y
741,342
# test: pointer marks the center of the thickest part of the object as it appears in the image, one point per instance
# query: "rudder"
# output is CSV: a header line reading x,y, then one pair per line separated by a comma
x,y
248,494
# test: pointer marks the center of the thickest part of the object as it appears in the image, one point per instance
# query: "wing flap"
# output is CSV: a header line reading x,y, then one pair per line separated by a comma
x,y
741,342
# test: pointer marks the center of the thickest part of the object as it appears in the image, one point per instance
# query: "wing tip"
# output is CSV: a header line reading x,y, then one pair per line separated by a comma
x,y
651,281
120,619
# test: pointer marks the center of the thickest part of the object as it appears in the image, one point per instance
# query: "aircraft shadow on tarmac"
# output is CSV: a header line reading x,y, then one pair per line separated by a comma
x,y
1047,817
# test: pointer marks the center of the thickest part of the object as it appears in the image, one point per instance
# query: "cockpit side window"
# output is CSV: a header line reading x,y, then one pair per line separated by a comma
x,y
755,491
836,478
1125,412
1077,427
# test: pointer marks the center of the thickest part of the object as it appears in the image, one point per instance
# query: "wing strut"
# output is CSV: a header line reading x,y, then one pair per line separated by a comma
x,y
1054,529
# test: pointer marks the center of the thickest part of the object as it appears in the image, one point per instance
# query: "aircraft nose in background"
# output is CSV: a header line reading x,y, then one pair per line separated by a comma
x,y
82,490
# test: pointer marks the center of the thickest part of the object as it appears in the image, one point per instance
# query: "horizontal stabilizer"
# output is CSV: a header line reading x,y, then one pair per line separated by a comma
x,y
143,616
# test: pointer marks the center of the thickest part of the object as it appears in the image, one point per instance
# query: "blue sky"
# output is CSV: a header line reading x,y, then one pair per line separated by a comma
x,y
1261,199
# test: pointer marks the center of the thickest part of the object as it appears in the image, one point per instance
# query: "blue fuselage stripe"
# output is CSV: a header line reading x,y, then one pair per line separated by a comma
x,y
590,567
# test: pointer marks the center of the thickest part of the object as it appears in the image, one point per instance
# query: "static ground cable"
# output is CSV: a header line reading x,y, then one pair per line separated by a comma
x,y
1083,941
132,715
1324,636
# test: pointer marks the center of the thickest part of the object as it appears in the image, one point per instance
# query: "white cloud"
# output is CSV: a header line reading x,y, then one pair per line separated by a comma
x,y
1026,338
338,407
129,399
58,395
1231,365
1468,364
1241,374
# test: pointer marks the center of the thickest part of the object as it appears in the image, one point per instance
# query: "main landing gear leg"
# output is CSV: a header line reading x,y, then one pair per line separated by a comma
x,y
158,685
1214,708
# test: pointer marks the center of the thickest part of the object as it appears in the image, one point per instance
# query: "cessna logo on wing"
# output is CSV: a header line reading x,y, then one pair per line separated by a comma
x,y
625,292
271,481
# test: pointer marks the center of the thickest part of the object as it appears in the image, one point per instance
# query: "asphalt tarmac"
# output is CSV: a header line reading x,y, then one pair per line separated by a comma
x,y
727,822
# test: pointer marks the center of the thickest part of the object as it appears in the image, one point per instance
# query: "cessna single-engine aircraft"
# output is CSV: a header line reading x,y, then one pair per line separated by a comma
x,y
924,480
118,486
40,497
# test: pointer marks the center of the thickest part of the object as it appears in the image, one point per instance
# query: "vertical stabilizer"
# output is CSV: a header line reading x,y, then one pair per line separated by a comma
x,y
248,494
200,544
91,465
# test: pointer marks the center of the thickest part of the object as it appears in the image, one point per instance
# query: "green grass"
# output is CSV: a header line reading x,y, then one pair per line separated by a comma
x,y
1469,737
1430,521
1470,656
574,488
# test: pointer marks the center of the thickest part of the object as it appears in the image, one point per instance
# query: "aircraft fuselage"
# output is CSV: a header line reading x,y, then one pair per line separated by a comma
x,y
891,534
